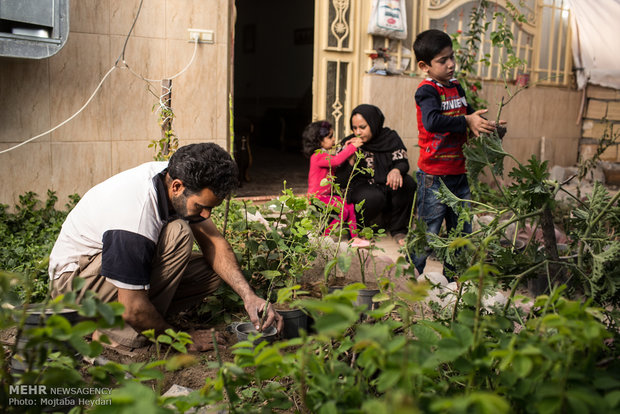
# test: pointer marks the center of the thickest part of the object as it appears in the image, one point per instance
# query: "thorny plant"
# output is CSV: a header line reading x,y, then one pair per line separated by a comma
x,y
169,142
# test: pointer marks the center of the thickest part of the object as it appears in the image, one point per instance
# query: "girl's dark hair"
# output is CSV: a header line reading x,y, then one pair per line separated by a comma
x,y
429,44
204,165
313,135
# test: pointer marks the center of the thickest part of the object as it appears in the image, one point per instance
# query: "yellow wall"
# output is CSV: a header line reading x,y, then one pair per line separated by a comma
x,y
113,132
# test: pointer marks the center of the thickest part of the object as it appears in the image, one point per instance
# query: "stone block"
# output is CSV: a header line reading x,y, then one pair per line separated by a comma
x,y
593,129
596,109
600,92
613,111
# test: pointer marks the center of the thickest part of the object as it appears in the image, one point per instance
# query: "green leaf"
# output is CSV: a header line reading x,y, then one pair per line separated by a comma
x,y
425,334
84,328
164,339
522,365
344,262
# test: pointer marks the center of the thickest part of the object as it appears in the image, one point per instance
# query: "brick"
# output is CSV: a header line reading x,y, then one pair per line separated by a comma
x,y
610,154
613,111
593,129
600,92
587,151
596,109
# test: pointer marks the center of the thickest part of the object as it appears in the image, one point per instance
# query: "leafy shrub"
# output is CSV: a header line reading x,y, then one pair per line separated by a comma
x,y
28,235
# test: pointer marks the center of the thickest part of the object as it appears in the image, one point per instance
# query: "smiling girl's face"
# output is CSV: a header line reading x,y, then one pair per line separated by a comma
x,y
328,141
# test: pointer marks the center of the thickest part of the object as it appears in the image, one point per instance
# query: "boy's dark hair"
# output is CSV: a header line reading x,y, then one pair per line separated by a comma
x,y
313,135
429,44
204,165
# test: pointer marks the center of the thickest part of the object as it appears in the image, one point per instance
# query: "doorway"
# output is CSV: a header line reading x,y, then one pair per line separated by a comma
x,y
272,93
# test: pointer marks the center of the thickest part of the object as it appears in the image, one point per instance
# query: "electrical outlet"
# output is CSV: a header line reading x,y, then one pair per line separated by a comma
x,y
203,36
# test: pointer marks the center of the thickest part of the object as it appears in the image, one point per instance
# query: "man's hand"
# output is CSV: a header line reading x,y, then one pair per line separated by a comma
x,y
477,124
394,179
203,340
255,306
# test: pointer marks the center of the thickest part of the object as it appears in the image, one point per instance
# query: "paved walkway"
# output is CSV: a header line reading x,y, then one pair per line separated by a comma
x,y
391,248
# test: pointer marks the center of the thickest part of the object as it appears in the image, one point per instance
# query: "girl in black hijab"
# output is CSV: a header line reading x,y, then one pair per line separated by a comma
x,y
389,190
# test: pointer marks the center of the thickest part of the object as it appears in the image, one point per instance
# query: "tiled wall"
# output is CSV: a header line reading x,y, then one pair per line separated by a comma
x,y
113,132
534,113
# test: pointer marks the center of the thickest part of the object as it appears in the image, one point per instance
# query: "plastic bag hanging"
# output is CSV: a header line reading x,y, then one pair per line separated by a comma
x,y
388,18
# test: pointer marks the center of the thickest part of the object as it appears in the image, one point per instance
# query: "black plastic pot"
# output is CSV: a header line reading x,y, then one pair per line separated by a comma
x,y
294,320
365,296
35,318
243,330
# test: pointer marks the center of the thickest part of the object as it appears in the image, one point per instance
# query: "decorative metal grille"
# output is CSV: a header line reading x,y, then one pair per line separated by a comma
x,y
335,99
339,35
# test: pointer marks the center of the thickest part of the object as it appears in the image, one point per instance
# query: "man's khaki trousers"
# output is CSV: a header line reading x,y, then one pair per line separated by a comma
x,y
180,278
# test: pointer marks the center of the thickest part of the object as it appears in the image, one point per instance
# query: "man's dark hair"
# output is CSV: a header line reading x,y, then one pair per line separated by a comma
x,y
429,44
204,165
313,135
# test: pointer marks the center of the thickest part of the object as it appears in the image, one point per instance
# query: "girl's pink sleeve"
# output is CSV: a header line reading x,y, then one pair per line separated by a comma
x,y
327,160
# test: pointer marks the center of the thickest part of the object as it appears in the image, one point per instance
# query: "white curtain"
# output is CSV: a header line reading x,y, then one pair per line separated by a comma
x,y
596,41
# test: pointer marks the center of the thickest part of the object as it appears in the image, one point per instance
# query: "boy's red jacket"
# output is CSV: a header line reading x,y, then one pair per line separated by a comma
x,y
442,129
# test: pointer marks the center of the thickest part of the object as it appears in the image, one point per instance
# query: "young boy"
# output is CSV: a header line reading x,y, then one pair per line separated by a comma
x,y
444,119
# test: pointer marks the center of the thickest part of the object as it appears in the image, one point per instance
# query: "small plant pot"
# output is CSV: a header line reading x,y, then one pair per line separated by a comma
x,y
365,298
294,320
243,331
331,289
36,318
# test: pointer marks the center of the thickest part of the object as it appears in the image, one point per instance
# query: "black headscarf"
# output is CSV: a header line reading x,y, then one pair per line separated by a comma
x,y
383,138
383,145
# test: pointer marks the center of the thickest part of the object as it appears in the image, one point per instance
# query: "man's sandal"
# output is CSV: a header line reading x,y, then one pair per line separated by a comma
x,y
116,347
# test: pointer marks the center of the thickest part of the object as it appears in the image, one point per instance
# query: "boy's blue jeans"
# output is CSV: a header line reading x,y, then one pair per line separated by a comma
x,y
433,212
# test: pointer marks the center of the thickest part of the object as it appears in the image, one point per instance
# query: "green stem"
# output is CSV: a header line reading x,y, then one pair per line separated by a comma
x,y
479,302
456,302
219,361
517,281
591,227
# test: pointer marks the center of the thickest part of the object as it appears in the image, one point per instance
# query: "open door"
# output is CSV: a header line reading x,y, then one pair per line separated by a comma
x,y
273,55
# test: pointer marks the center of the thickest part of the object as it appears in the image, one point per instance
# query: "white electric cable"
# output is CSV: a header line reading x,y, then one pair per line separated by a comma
x,y
170,77
66,120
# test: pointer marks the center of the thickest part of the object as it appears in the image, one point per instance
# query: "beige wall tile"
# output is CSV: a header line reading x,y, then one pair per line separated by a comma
x,y
195,14
25,92
77,166
151,21
195,96
90,16
75,73
132,117
129,154
26,168
222,95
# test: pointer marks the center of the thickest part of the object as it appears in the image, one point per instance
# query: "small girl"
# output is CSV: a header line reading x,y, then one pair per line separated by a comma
x,y
319,136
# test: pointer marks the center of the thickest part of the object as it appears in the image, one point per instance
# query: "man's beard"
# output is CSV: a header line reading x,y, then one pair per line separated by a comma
x,y
179,204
